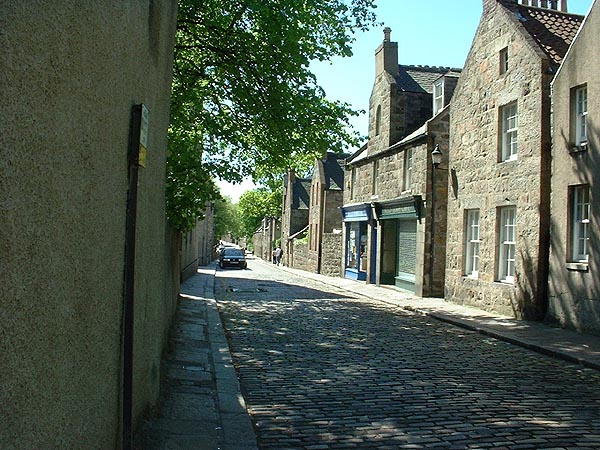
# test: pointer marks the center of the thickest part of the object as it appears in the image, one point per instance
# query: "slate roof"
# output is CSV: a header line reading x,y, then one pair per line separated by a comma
x,y
420,78
552,30
359,155
300,193
333,171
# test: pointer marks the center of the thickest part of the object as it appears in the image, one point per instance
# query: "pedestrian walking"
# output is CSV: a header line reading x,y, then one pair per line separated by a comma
x,y
278,253
274,256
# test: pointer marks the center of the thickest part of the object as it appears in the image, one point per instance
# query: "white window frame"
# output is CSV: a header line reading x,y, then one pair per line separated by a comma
x,y
580,222
472,241
408,169
510,132
507,247
438,96
581,111
376,177
504,60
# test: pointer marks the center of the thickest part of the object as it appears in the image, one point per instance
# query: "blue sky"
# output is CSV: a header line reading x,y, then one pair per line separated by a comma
x,y
428,32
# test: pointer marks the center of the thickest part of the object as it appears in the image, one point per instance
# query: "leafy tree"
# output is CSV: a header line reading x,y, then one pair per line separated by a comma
x,y
257,204
244,101
227,219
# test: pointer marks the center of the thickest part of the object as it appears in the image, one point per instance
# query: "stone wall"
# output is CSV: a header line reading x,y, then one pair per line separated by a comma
x,y
331,254
206,237
303,259
574,289
479,181
70,77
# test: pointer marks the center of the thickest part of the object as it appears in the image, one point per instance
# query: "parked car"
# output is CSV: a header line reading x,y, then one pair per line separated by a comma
x,y
233,257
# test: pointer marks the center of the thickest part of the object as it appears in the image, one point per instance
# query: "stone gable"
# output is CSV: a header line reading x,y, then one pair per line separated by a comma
x,y
480,181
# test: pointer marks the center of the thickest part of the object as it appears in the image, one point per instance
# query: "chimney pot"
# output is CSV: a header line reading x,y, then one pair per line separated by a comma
x,y
386,55
387,31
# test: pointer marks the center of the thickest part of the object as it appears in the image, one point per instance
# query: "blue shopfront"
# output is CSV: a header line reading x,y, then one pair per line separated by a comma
x,y
356,221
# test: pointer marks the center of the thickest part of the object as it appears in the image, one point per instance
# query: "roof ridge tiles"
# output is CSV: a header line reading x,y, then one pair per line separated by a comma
x,y
428,67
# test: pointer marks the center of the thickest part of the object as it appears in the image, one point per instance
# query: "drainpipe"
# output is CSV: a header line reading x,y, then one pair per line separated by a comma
x,y
136,158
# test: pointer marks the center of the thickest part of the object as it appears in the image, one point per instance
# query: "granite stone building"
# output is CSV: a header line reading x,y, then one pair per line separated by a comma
x,y
499,187
395,203
324,245
574,284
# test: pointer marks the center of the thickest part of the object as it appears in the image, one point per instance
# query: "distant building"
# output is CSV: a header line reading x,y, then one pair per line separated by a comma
x,y
196,246
294,216
574,284
320,253
499,199
266,238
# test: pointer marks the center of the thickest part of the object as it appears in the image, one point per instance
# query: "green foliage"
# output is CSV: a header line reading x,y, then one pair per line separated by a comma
x,y
227,219
305,237
189,187
257,204
244,102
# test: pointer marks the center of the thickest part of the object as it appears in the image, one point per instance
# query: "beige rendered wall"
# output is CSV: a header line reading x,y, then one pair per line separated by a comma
x,y
70,76
574,289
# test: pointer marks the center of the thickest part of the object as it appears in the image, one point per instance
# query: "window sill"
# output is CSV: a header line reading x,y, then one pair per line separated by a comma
x,y
575,149
509,160
578,266
507,283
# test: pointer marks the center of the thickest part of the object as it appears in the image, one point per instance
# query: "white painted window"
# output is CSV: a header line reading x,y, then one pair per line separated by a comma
x,y
509,136
581,115
438,96
580,221
507,244
408,169
472,243
375,177
504,60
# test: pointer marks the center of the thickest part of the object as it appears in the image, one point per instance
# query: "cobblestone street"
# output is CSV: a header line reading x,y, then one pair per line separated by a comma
x,y
321,369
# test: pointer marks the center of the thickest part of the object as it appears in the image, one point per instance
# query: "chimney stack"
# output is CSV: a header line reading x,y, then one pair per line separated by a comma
x,y
386,55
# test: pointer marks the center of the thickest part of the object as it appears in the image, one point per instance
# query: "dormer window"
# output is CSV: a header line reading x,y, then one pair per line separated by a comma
x,y
503,61
378,121
438,96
